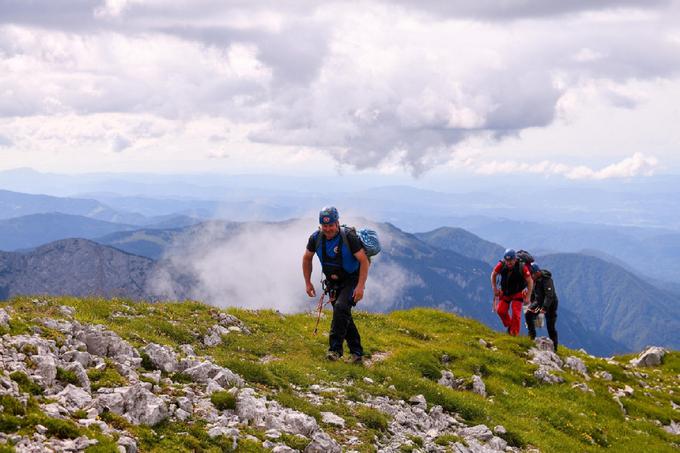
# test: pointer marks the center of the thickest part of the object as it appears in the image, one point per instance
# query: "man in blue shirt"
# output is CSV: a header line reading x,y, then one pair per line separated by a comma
x,y
345,267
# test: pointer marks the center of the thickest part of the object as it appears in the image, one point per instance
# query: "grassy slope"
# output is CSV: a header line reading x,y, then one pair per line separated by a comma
x,y
550,417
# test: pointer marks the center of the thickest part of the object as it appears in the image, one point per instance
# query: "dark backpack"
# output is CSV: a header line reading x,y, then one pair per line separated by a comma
x,y
510,282
524,258
369,239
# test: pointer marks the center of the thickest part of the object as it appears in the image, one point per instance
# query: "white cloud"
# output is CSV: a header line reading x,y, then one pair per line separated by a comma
x,y
376,87
260,266
5,142
635,165
120,143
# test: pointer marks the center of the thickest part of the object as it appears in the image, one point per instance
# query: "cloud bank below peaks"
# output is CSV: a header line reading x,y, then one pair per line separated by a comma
x,y
259,266
638,164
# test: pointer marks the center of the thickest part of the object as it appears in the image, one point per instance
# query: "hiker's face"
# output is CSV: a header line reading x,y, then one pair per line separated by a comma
x,y
510,261
330,230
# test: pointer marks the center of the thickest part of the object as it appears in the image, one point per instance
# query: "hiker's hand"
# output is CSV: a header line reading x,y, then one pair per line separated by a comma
x,y
358,294
311,292
497,292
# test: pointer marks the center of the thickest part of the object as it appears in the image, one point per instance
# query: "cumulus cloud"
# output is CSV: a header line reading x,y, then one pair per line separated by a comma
x,y
5,142
120,143
638,164
517,9
373,87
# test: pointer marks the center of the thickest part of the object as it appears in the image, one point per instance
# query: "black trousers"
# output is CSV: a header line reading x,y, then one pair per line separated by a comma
x,y
342,326
550,320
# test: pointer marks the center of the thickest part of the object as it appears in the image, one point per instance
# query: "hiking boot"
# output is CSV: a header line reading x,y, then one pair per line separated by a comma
x,y
354,358
332,356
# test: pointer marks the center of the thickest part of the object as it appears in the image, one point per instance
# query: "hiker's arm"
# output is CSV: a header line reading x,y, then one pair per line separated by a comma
x,y
536,298
363,275
530,288
494,287
307,272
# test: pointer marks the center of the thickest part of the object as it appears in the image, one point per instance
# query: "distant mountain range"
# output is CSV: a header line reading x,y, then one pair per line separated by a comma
x,y
463,242
608,298
75,267
36,229
15,204
607,303
636,247
615,302
443,278
409,208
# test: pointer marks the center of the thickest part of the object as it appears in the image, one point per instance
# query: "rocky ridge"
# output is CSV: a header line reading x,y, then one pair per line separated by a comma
x,y
59,371
188,371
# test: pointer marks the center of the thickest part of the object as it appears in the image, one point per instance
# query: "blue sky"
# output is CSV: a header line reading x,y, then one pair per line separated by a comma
x,y
581,90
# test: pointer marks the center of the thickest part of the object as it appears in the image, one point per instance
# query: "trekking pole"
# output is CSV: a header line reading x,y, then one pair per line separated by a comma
x,y
318,316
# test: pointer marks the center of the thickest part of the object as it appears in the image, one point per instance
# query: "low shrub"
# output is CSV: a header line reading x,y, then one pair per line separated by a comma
x,y
223,400
11,405
25,383
372,418
63,429
67,376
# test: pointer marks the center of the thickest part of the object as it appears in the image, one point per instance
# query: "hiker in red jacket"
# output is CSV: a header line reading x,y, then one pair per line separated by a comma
x,y
516,288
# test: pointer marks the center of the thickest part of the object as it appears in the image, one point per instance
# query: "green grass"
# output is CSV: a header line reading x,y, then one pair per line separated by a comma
x,y
107,377
25,383
372,418
223,400
11,405
552,418
66,376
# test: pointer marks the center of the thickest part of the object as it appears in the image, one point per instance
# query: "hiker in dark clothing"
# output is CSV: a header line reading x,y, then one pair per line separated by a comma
x,y
516,285
543,300
345,268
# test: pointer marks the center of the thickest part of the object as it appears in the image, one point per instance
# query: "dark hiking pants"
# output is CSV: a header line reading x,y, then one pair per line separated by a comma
x,y
550,320
342,326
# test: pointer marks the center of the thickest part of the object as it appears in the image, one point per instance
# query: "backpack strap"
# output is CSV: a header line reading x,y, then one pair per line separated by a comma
x,y
318,240
343,235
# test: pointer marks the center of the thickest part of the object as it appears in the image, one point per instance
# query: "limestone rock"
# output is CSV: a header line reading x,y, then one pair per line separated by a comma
x,y
652,356
67,311
332,419
46,369
162,357
544,344
128,443
604,375
4,318
577,365
136,403
73,398
582,387
322,443
206,370
105,343
449,380
479,432
214,335
478,386
673,428
81,374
